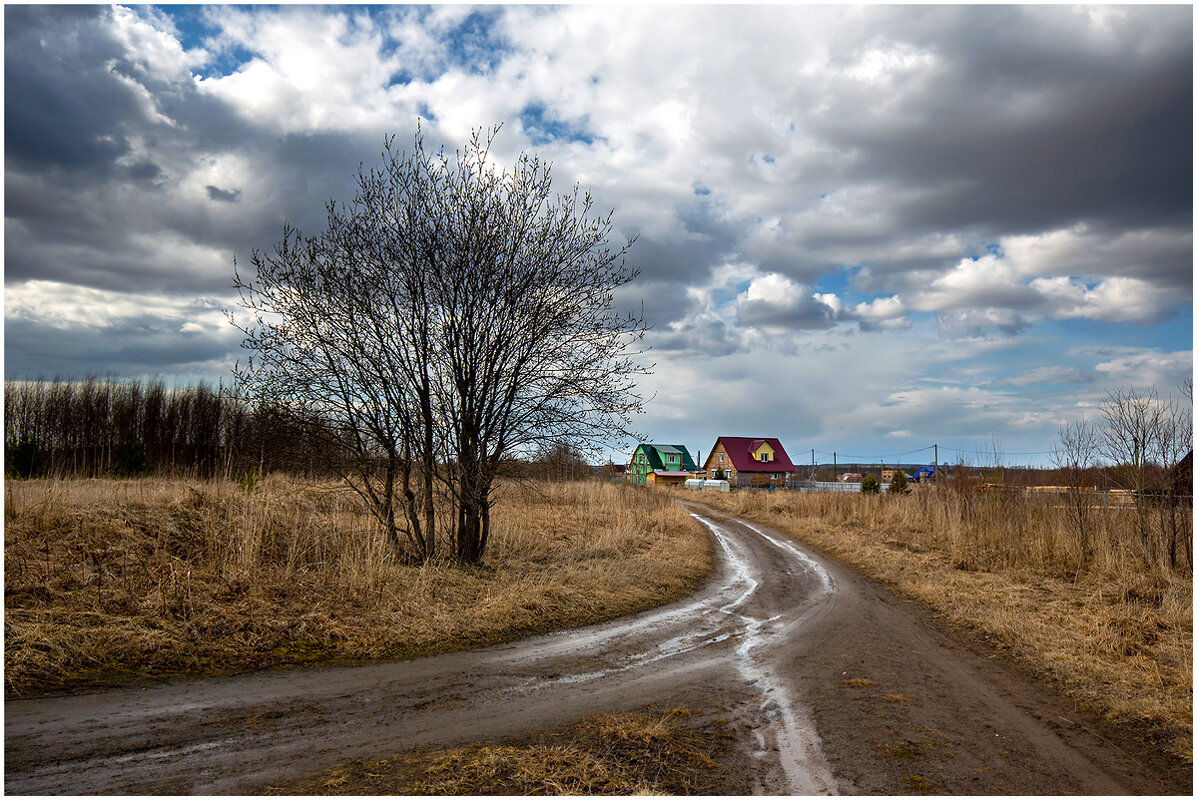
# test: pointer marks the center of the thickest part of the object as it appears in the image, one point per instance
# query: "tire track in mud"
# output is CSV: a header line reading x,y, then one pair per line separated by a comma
x,y
788,729
227,735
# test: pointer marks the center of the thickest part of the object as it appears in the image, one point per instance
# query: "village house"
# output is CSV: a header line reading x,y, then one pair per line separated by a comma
x,y
660,464
924,474
750,462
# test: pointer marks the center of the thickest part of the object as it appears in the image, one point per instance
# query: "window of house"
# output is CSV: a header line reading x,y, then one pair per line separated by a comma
x,y
721,457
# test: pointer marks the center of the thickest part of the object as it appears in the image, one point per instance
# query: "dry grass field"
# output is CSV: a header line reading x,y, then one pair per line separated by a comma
x,y
1108,631
642,753
109,580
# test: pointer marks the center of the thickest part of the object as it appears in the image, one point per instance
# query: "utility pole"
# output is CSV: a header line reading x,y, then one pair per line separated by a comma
x,y
935,462
813,464
835,470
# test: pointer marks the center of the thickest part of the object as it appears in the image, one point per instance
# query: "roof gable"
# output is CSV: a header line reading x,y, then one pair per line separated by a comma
x,y
656,456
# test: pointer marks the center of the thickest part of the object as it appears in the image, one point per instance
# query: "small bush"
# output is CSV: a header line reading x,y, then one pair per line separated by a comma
x,y
23,460
129,460
898,484
249,482
870,484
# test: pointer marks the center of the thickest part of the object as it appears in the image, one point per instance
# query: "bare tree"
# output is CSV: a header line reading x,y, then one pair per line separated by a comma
x,y
1132,419
454,314
1075,455
1144,437
1173,440
558,461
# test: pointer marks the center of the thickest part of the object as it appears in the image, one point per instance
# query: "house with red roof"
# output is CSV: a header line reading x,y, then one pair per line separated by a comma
x,y
750,462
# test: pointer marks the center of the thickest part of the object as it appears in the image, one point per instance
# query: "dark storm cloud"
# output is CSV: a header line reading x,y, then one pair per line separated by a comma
x,y
1029,124
705,341
63,107
1014,121
660,302
223,195
82,208
799,313
701,241
132,348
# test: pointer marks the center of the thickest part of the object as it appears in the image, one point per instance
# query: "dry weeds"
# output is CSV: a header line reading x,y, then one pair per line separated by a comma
x,y
1108,631
648,753
108,580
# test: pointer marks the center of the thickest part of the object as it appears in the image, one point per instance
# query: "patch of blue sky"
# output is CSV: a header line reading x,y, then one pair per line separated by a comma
x,y
190,23
542,127
196,30
978,250
840,283
401,78
837,282
1174,333
700,189
426,113
476,44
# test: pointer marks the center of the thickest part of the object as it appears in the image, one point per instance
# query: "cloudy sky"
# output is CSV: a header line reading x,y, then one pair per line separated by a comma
x,y
862,230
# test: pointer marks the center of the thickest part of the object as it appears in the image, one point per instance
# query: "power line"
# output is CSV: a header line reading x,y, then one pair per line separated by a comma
x,y
877,456
1001,452
859,457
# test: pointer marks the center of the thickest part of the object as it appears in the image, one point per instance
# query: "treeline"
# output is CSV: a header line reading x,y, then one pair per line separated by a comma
x,y
109,427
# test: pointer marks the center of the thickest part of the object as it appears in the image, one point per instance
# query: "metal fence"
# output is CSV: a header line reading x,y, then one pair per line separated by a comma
x,y
832,486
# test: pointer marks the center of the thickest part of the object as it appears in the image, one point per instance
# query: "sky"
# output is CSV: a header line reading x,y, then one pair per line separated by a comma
x,y
863,230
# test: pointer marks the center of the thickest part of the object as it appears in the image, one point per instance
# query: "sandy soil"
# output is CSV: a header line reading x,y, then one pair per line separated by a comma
x,y
833,685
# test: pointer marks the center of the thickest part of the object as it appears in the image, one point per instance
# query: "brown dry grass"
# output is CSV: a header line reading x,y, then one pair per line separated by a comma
x,y
108,580
1108,631
647,753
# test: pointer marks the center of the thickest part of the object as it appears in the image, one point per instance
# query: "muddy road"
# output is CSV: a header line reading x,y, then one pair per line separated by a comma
x,y
834,686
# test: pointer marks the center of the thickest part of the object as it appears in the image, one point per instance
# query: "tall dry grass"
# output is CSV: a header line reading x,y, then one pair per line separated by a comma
x,y
105,579
641,753
1084,611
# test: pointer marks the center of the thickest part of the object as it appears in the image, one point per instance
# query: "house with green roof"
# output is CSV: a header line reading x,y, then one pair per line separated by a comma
x,y
660,464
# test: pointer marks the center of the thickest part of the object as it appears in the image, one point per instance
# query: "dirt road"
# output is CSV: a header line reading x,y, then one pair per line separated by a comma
x,y
836,687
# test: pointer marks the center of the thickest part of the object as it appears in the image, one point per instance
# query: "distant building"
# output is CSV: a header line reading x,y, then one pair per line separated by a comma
x,y
851,477
925,474
750,462
660,464
1181,478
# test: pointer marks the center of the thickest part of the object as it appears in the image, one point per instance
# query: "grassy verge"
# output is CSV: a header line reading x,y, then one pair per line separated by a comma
x,y
1108,631
109,580
645,753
